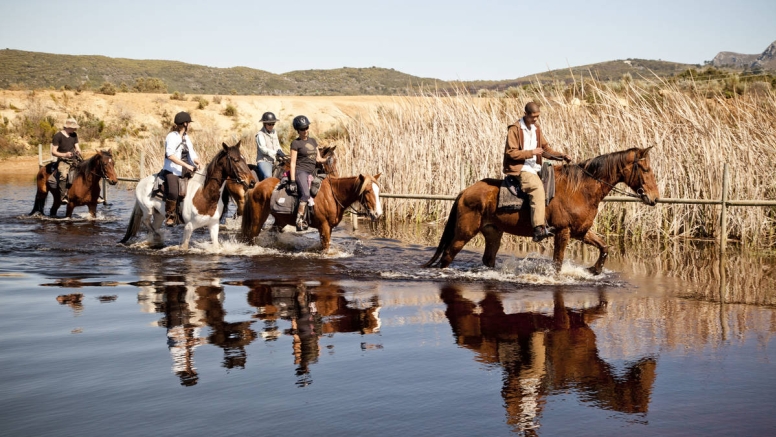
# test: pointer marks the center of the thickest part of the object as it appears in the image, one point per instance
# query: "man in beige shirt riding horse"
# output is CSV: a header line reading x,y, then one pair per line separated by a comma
x,y
523,153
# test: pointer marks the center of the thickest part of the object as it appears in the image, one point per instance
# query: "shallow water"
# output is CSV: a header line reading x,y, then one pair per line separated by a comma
x,y
98,338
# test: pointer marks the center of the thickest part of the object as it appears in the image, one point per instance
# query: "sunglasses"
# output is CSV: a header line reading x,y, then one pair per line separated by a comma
x,y
302,130
270,124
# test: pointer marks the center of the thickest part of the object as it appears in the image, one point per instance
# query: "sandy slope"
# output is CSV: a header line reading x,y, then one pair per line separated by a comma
x,y
151,109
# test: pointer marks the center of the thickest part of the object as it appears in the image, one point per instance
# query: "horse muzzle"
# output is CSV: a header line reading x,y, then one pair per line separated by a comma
x,y
646,199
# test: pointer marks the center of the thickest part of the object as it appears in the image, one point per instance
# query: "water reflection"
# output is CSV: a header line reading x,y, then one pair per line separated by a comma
x,y
542,355
194,315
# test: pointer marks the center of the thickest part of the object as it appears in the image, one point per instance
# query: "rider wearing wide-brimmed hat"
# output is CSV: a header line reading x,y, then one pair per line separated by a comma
x,y
267,146
64,146
180,159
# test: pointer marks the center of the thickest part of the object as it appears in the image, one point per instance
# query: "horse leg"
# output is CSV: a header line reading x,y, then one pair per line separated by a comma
x,y
187,230
57,201
93,210
468,227
214,235
562,237
69,209
492,244
593,239
154,222
325,233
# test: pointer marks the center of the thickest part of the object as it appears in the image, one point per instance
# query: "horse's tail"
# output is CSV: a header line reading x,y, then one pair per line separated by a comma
x,y
41,191
447,235
134,223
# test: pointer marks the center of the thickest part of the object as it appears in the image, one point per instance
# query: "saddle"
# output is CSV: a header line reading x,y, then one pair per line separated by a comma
x,y
283,202
512,198
160,187
52,168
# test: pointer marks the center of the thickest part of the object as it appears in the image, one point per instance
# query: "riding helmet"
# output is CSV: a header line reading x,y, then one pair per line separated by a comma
x,y
268,117
301,122
182,117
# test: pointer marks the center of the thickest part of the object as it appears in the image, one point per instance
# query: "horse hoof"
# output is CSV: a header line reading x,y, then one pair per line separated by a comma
x,y
593,271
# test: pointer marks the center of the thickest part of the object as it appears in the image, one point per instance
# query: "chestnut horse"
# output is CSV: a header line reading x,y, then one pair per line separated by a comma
x,y
236,191
334,197
579,188
201,206
85,189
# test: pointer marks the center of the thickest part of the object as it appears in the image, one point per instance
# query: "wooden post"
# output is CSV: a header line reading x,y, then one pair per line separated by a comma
x,y
104,191
354,218
40,155
462,176
723,212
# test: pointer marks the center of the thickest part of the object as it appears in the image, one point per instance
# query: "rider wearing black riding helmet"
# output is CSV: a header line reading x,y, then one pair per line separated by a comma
x,y
304,156
267,146
180,160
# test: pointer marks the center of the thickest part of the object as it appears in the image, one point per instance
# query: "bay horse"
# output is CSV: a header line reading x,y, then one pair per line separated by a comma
x,y
236,191
85,189
334,197
202,205
579,189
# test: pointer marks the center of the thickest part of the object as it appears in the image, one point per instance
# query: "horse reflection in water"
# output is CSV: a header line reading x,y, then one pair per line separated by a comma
x,y
324,310
546,354
312,313
189,308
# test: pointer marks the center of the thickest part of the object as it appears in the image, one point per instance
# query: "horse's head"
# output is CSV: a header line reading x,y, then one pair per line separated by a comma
x,y
369,195
330,166
107,166
640,177
235,167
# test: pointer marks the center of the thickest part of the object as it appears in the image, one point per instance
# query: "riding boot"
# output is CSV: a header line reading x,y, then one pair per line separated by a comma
x,y
169,209
63,190
541,232
301,224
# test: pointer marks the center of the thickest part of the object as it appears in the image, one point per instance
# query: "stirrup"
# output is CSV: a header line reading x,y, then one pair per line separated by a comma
x,y
300,224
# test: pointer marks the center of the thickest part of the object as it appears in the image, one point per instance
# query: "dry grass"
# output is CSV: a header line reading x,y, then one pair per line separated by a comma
x,y
432,145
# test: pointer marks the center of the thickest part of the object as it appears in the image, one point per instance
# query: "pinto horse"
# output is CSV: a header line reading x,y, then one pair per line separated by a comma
x,y
579,188
202,205
85,189
334,197
236,192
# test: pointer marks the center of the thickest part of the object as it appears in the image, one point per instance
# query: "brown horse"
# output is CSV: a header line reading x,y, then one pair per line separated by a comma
x,y
334,197
236,191
85,189
579,188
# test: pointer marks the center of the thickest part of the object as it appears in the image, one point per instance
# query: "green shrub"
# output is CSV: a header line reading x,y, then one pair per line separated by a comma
x,y
202,102
107,88
178,96
37,129
230,110
150,85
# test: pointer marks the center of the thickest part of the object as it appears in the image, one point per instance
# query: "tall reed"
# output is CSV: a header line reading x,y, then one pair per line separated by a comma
x,y
432,144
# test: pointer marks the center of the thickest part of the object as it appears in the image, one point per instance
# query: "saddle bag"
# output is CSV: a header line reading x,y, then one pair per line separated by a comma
x,y
281,202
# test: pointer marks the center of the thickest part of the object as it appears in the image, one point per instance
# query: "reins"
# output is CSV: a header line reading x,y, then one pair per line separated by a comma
x,y
344,208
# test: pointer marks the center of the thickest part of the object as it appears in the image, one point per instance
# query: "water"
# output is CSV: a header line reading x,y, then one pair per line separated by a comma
x,y
278,339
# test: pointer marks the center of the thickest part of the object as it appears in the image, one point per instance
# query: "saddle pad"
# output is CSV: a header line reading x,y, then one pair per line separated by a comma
x,y
508,201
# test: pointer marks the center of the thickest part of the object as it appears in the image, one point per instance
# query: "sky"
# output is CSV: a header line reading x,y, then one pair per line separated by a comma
x,y
448,40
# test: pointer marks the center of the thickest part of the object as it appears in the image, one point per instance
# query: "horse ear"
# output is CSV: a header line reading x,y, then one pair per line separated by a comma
x,y
644,152
225,147
238,144
377,176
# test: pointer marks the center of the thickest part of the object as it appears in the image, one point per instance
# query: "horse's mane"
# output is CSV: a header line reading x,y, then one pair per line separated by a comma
x,y
600,167
87,165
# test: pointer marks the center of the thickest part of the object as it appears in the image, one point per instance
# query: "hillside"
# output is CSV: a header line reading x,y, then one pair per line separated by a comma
x,y
602,71
763,61
31,70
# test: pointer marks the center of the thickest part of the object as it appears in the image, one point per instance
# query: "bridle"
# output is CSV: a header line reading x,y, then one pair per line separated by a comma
x,y
229,170
352,210
640,194
103,173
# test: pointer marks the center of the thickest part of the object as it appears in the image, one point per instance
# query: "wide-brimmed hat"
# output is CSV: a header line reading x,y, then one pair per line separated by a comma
x,y
71,123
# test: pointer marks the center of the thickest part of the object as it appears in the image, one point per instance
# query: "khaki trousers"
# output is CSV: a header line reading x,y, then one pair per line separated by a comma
x,y
532,185
64,168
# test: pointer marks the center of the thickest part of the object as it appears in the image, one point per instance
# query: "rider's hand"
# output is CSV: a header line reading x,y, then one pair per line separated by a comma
x,y
292,187
537,151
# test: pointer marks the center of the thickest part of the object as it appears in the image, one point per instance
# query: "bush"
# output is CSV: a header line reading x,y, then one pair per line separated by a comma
x,y
217,99
230,110
37,129
178,96
202,102
150,85
107,88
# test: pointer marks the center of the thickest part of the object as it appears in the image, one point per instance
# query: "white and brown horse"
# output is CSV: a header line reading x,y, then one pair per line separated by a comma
x,y
202,205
